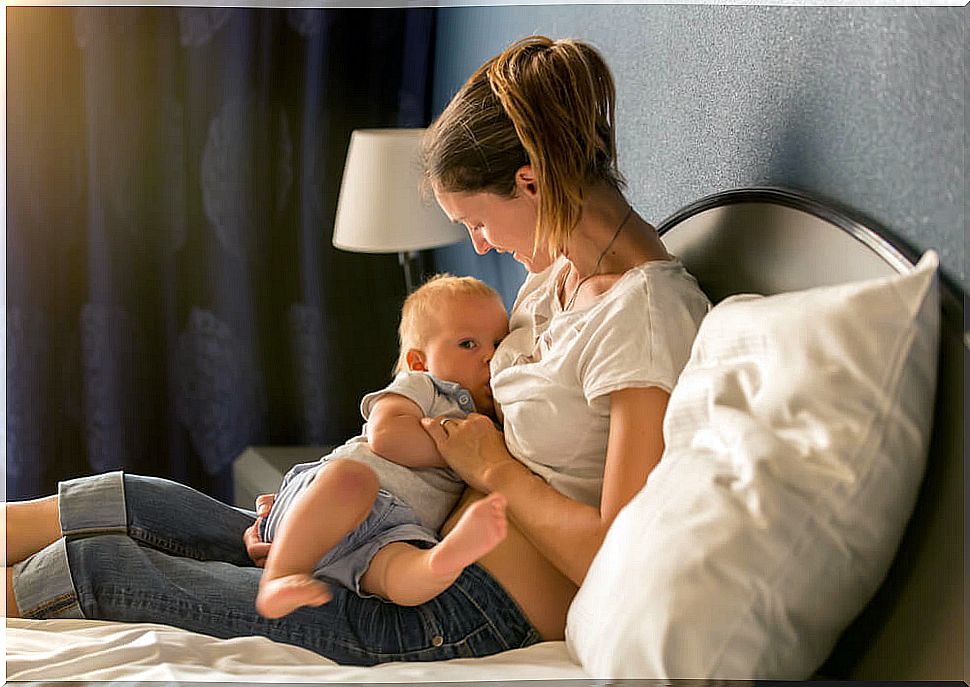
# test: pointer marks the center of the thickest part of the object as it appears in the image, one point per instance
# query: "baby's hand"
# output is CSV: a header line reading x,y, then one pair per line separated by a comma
x,y
258,550
263,503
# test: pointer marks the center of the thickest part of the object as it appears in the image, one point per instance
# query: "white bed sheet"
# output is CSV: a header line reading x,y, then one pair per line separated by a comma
x,y
98,650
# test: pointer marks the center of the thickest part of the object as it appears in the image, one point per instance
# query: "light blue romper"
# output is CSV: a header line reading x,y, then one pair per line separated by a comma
x,y
411,504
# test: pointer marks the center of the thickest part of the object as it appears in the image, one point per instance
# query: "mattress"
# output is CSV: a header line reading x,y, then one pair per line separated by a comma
x,y
98,650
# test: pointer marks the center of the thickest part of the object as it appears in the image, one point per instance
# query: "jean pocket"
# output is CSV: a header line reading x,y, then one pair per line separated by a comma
x,y
460,640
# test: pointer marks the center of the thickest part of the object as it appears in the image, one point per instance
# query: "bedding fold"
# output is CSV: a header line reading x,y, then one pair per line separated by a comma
x,y
98,650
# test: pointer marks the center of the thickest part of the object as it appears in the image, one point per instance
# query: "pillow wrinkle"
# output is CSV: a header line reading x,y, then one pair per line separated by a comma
x,y
796,438
885,390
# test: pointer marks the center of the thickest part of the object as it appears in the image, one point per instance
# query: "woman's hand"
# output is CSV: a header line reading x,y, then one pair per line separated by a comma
x,y
472,447
567,532
258,550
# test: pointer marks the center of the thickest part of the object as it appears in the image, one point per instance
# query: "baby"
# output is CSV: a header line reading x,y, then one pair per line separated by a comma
x,y
366,515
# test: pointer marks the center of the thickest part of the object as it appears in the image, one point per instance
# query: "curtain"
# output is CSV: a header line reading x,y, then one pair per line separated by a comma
x,y
172,177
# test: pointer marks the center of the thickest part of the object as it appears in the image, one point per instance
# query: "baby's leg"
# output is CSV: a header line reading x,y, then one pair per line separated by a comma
x,y
409,576
336,501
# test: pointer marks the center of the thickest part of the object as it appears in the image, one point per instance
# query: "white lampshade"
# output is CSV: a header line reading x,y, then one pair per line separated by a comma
x,y
381,208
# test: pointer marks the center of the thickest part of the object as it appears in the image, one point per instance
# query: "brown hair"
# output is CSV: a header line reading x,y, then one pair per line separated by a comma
x,y
541,102
419,308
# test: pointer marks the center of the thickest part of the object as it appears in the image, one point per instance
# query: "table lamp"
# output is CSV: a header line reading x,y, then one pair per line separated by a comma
x,y
380,208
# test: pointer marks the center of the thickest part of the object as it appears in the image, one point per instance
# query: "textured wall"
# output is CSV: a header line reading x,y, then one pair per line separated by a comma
x,y
864,106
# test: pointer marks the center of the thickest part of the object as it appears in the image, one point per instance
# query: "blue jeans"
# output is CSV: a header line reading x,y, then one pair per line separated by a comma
x,y
144,549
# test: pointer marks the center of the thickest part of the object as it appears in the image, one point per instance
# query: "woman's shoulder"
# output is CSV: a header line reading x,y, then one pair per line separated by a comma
x,y
659,301
641,332
656,283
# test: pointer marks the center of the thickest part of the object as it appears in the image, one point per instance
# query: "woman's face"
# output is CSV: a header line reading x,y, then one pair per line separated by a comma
x,y
495,222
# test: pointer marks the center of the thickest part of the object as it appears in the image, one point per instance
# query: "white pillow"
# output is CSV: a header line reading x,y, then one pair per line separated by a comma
x,y
795,444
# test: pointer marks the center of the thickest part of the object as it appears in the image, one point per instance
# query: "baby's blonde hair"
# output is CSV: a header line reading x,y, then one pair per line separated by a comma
x,y
419,309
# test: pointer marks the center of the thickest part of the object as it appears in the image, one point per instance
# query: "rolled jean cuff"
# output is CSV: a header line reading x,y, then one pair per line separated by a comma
x,y
43,587
93,505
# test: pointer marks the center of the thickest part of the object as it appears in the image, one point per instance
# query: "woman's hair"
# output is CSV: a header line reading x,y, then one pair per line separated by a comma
x,y
541,102
419,309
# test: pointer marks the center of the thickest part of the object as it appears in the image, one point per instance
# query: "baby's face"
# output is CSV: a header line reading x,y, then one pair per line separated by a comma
x,y
462,342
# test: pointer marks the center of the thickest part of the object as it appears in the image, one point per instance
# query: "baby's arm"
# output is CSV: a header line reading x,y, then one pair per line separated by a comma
x,y
394,432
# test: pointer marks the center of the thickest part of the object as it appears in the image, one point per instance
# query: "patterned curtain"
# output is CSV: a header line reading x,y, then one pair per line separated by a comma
x,y
172,176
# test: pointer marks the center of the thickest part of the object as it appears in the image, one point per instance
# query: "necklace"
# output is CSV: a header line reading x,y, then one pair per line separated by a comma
x,y
596,267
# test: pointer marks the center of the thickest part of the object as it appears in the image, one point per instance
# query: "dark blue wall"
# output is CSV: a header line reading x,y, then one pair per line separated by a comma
x,y
864,106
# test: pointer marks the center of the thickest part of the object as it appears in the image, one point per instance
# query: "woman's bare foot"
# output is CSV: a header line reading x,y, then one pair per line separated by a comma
x,y
481,528
283,595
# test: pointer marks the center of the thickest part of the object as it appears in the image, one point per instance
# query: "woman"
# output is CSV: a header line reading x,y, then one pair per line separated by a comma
x,y
524,156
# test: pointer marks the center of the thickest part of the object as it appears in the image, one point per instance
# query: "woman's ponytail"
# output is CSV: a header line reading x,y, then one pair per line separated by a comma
x,y
540,102
560,98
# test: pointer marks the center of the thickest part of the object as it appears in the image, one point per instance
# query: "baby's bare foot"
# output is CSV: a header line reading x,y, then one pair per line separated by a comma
x,y
283,595
481,528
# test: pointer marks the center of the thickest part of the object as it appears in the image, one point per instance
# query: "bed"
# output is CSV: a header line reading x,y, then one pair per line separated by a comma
x,y
757,240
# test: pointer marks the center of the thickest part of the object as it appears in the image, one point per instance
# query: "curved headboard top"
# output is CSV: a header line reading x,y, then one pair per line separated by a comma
x,y
765,240
770,240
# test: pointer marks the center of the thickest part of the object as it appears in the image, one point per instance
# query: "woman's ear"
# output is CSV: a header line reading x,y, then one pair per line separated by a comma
x,y
525,182
415,360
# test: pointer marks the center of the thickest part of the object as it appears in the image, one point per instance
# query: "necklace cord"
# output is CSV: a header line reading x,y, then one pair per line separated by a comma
x,y
596,267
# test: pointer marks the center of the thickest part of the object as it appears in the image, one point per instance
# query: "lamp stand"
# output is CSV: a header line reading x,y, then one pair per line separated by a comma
x,y
410,261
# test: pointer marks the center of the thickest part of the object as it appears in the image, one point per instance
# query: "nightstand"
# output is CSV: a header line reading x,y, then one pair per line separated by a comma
x,y
260,469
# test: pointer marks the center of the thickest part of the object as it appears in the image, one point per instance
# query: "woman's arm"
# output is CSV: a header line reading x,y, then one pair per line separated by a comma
x,y
394,432
566,532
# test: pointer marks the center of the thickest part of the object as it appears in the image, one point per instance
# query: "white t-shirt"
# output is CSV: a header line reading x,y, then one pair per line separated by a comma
x,y
553,374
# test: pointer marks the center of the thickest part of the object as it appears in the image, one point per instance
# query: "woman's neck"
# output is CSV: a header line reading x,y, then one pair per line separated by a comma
x,y
610,237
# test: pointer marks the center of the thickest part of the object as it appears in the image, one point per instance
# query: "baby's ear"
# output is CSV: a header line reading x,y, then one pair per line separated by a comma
x,y
415,360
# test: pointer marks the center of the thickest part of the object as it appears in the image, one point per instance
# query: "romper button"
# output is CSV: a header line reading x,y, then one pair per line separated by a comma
x,y
464,398
437,640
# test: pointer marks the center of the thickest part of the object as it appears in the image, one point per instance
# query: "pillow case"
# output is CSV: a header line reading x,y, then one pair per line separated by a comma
x,y
795,442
